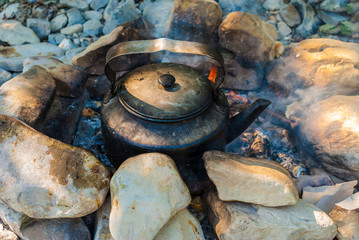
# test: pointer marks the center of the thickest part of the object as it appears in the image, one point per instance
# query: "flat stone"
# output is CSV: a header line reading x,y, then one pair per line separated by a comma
x,y
14,33
236,220
28,95
80,4
333,134
346,216
97,4
57,229
183,225
250,180
11,58
74,17
58,22
314,63
72,29
283,29
331,18
4,76
93,15
69,80
93,58
10,11
248,37
102,230
147,190
310,21
39,26
52,179
93,27
334,5
273,5
290,15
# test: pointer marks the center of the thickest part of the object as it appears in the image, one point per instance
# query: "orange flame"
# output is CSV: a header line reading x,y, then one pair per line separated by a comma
x,y
213,74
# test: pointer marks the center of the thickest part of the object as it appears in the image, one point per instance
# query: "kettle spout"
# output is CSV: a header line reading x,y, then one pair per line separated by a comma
x,y
240,122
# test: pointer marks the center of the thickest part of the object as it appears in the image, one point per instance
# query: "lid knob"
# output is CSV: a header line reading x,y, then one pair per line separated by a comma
x,y
166,80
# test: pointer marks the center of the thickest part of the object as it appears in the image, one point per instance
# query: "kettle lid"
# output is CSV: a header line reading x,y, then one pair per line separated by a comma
x,y
165,92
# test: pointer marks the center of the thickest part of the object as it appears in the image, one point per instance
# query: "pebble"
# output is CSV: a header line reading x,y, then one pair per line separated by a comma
x,y
92,27
97,4
10,11
56,38
273,5
331,18
58,22
310,23
67,58
251,6
40,27
80,4
14,33
4,76
72,29
290,15
283,29
66,44
93,15
334,5
74,17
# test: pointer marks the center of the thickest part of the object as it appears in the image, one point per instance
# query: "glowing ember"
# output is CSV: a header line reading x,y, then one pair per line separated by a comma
x,y
213,74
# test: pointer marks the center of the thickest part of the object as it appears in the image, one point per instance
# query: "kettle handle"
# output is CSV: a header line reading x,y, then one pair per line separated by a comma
x,y
158,45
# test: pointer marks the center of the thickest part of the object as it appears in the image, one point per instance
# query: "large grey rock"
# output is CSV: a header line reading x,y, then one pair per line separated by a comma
x,y
10,11
290,15
11,58
248,37
250,180
333,134
58,22
236,220
97,4
4,76
310,23
57,229
45,178
74,17
69,80
92,27
39,26
14,33
322,63
251,6
93,58
147,190
80,4
28,95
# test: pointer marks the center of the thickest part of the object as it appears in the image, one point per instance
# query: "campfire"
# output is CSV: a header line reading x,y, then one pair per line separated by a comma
x,y
179,119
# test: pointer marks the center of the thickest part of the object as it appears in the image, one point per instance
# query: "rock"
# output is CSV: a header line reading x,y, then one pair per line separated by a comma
x,y
14,33
334,5
28,95
251,6
352,8
58,22
204,17
349,28
283,29
117,13
10,11
80,4
310,22
346,216
69,80
248,36
325,197
93,58
331,18
156,16
72,29
74,17
273,5
102,231
314,62
236,220
92,15
67,58
6,234
98,86
11,58
39,26
13,219
146,190
328,29
4,76
93,27
66,44
56,38
182,226
313,181
250,180
333,134
290,15
57,229
97,4
240,77
66,181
